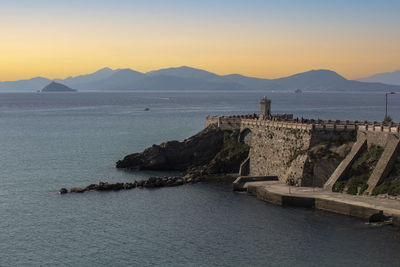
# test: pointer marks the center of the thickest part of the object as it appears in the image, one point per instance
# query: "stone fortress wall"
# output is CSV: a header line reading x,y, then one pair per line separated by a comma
x,y
279,145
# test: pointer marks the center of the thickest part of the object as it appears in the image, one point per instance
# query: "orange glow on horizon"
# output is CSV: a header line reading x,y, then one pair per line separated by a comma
x,y
54,47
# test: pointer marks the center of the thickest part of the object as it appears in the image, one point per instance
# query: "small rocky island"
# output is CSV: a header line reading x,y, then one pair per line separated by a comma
x,y
57,87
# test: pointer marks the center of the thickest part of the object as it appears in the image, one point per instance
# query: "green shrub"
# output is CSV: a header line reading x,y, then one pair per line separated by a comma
x,y
339,187
363,188
232,147
356,182
380,189
374,152
390,187
361,170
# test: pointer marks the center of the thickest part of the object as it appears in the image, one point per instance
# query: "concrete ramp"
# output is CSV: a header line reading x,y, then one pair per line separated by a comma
x,y
385,163
242,182
245,167
341,170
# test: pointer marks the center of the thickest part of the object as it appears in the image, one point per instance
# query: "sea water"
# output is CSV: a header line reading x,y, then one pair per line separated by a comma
x,y
49,141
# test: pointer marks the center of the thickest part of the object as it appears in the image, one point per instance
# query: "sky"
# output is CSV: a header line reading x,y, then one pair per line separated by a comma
x,y
260,38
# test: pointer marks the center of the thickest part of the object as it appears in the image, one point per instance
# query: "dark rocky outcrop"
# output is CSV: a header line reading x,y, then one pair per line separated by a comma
x,y
210,155
226,161
322,161
196,151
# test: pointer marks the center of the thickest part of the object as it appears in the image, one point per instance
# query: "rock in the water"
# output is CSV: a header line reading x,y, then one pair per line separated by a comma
x,y
77,190
63,191
152,182
378,217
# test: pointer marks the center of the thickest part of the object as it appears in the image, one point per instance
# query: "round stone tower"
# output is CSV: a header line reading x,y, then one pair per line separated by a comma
x,y
265,108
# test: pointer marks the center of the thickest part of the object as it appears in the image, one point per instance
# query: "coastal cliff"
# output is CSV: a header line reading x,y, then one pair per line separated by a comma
x,y
210,152
211,155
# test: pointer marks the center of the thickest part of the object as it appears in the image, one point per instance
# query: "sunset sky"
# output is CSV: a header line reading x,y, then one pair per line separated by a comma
x,y
262,38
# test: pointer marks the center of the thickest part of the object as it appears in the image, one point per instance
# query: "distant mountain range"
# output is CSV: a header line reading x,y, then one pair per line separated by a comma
x,y
386,77
187,78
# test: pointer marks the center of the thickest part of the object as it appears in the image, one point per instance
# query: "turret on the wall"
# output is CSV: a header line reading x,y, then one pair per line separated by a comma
x,y
265,108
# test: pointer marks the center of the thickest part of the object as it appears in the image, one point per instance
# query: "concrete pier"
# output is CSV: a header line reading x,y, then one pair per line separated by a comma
x,y
362,207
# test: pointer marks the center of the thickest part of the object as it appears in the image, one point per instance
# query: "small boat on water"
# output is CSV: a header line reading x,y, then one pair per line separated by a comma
x,y
298,91
146,109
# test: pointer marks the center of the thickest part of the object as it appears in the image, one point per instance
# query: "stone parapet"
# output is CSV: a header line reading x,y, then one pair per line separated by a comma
x,y
287,121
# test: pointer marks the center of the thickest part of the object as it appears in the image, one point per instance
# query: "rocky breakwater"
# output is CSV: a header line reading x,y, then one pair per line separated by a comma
x,y
211,155
152,182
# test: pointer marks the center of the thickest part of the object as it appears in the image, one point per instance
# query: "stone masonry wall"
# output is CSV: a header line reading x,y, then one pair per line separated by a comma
x,y
278,151
281,147
282,151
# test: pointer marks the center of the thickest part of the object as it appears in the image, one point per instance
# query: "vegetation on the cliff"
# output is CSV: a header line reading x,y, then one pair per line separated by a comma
x,y
359,172
232,148
229,158
391,185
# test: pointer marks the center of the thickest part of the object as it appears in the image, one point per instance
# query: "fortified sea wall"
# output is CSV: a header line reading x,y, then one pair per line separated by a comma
x,y
284,147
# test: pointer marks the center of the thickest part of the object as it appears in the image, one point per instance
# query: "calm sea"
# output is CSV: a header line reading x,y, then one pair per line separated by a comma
x,y
49,141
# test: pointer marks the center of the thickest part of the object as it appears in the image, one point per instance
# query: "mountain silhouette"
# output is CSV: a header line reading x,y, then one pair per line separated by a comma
x,y
87,78
120,79
33,84
386,77
186,72
188,78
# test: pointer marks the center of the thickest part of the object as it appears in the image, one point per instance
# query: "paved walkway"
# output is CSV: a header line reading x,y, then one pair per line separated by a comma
x,y
389,206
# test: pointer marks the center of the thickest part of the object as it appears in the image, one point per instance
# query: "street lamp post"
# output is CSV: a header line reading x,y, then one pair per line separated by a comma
x,y
391,93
